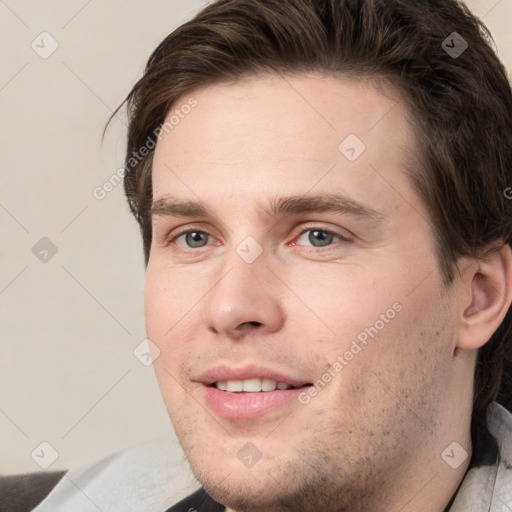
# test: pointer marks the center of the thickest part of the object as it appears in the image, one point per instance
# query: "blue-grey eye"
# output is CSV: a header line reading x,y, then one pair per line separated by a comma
x,y
194,239
320,238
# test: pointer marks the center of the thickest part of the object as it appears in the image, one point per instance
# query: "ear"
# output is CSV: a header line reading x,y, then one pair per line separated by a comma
x,y
487,284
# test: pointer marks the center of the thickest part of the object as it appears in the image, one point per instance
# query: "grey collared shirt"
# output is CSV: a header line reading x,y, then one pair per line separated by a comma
x,y
152,477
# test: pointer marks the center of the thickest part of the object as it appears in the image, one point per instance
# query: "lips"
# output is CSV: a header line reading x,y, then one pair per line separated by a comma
x,y
249,392
227,374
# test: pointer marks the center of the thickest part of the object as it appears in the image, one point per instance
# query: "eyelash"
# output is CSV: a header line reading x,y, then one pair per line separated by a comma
x,y
307,229
171,239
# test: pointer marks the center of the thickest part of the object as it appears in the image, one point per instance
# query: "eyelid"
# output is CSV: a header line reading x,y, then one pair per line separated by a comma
x,y
315,226
175,233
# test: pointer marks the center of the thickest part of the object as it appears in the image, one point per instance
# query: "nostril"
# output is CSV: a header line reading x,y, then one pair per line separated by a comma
x,y
253,324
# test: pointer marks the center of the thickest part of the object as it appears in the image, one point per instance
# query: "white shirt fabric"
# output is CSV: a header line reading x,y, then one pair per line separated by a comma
x,y
153,476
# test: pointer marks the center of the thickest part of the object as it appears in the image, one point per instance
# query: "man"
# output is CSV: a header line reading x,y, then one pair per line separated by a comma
x,y
320,189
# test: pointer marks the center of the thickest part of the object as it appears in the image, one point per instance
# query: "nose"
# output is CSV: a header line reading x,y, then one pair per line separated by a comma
x,y
245,300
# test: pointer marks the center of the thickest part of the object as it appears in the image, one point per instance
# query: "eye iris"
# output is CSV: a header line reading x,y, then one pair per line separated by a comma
x,y
320,238
196,239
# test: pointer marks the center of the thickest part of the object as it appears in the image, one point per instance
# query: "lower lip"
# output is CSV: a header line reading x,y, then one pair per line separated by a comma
x,y
246,406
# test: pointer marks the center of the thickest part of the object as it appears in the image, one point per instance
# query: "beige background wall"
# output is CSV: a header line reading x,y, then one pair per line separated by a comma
x,y
70,321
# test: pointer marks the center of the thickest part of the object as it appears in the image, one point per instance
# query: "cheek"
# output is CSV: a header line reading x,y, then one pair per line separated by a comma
x,y
375,319
169,295
165,305
170,312
157,299
342,300
411,353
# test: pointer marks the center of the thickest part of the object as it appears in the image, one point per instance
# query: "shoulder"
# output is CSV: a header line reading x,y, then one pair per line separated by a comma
x,y
489,487
150,477
503,434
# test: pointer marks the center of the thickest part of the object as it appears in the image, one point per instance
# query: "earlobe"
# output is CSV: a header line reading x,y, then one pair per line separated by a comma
x,y
490,291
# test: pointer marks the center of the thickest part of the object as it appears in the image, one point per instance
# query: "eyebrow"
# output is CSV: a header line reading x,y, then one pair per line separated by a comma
x,y
168,206
324,203
278,206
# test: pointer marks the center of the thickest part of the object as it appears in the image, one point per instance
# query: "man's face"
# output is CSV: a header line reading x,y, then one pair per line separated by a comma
x,y
286,251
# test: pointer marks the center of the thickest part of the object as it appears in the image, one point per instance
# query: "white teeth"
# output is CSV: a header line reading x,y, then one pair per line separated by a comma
x,y
251,385
223,386
235,385
268,385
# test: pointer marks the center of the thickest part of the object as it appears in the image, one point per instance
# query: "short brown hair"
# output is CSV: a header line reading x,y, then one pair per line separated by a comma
x,y
461,107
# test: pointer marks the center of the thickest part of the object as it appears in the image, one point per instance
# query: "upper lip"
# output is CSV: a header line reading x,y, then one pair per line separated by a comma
x,y
223,373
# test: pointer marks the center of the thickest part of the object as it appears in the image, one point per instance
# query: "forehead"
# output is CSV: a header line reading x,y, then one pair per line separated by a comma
x,y
276,134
